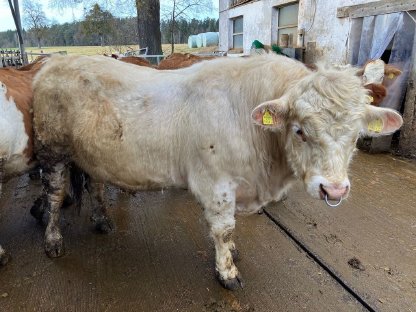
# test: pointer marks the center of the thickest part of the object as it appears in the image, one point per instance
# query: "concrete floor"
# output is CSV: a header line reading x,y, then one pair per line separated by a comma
x,y
160,257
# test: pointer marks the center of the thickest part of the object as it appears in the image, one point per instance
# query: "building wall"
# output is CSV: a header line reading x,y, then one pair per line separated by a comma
x,y
326,36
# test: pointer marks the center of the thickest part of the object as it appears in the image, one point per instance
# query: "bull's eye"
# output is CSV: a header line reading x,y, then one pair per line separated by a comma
x,y
299,132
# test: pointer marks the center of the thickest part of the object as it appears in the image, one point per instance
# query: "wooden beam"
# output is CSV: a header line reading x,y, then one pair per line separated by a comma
x,y
376,8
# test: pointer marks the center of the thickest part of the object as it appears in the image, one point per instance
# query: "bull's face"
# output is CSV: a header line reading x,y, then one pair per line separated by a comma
x,y
321,120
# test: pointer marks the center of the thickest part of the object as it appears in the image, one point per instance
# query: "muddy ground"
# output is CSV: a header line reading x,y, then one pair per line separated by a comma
x,y
160,258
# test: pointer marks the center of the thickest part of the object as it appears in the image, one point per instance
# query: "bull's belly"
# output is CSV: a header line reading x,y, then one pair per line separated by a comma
x,y
131,175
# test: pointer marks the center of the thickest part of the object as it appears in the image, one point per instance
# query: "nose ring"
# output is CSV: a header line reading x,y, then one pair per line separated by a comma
x,y
332,205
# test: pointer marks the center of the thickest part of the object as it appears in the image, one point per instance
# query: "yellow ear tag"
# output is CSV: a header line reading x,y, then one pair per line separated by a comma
x,y
371,99
391,76
267,118
376,126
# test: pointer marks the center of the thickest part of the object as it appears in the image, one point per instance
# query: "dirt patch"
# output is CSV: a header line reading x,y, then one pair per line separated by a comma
x,y
227,305
356,264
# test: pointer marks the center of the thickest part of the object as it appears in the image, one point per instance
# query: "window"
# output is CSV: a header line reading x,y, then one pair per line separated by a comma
x,y
287,25
234,3
238,32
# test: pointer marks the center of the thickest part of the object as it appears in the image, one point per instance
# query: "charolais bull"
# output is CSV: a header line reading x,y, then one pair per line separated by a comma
x,y
235,131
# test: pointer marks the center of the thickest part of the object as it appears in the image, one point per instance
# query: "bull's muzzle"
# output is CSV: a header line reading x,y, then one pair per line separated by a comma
x,y
334,192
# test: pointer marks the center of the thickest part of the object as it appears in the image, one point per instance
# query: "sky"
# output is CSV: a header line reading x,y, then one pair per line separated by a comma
x,y
68,15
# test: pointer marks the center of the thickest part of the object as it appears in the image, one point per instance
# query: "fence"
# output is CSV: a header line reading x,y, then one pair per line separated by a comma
x,y
11,57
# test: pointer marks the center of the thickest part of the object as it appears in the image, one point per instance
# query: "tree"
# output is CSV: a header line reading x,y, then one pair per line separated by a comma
x,y
98,22
182,9
35,19
148,18
148,25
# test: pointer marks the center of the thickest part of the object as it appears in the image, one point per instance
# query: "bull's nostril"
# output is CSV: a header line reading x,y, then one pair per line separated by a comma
x,y
322,192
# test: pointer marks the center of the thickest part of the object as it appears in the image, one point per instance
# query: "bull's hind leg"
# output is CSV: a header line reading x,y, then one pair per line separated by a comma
x,y
39,207
102,221
55,180
219,212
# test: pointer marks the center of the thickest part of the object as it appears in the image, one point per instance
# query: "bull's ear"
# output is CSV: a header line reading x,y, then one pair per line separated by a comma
x,y
380,121
271,114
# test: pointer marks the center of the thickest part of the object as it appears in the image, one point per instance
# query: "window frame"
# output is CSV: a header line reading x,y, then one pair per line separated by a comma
x,y
292,41
235,34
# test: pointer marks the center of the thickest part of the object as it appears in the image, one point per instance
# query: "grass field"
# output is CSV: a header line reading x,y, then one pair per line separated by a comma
x,y
94,50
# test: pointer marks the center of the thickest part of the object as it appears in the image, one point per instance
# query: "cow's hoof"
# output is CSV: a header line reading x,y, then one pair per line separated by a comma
x,y
38,209
235,254
34,174
4,258
54,248
231,284
104,225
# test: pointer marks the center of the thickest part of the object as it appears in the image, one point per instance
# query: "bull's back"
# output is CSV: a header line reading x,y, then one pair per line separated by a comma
x,y
94,119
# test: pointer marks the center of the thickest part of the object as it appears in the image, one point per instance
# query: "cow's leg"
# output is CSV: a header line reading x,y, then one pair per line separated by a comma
x,y
34,173
55,180
219,208
4,257
102,221
2,173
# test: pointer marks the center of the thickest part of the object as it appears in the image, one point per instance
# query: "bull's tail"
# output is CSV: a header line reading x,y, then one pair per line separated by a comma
x,y
78,182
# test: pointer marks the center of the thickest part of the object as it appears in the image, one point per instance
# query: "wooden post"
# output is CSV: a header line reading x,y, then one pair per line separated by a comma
x,y
408,133
407,142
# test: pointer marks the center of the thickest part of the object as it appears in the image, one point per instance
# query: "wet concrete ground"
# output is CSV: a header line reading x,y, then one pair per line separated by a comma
x,y
160,258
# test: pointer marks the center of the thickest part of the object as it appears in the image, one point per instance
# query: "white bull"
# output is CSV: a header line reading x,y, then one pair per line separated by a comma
x,y
236,132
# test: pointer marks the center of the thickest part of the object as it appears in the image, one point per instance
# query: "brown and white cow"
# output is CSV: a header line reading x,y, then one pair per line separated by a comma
x,y
16,131
181,60
236,132
376,77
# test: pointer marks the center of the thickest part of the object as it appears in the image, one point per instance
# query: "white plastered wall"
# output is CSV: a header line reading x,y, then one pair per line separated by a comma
x,y
326,34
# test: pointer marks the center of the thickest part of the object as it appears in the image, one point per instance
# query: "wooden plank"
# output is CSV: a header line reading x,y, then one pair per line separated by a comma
x,y
159,259
408,132
376,8
375,228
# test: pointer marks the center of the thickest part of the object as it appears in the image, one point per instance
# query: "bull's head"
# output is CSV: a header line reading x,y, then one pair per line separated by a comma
x,y
320,118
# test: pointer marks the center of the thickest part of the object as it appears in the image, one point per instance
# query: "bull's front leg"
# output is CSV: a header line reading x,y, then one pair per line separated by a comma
x,y
102,221
219,212
55,180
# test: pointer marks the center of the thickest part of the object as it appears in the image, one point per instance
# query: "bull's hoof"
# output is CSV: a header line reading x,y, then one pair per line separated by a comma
x,y
103,225
231,284
236,255
38,209
68,201
4,258
54,248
